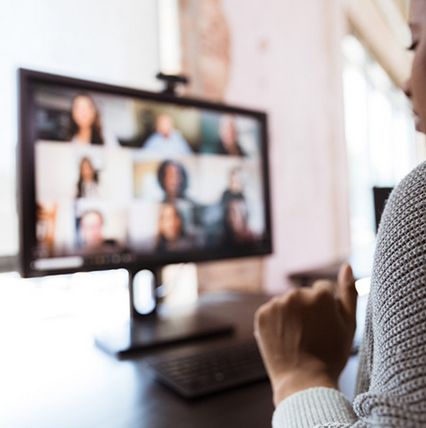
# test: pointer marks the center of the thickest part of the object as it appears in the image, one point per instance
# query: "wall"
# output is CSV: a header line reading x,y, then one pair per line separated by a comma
x,y
206,47
286,60
285,57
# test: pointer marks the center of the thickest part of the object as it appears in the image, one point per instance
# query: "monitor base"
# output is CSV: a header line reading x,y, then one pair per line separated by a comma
x,y
159,330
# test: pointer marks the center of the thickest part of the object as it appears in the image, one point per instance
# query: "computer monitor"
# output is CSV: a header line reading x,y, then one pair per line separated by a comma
x,y
114,177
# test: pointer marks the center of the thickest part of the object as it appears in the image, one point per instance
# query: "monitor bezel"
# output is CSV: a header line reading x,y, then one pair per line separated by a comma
x,y
26,175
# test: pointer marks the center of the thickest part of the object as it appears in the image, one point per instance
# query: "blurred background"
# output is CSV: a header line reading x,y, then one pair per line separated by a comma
x,y
327,72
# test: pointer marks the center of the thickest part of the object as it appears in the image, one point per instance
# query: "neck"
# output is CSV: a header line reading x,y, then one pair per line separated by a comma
x,y
84,135
231,148
172,196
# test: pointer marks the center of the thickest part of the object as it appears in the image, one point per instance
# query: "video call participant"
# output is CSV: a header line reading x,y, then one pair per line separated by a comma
x,y
173,179
91,229
87,186
228,137
91,233
237,230
167,140
46,223
171,232
235,187
85,127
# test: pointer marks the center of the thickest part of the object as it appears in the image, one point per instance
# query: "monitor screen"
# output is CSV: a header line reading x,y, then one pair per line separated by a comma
x,y
116,177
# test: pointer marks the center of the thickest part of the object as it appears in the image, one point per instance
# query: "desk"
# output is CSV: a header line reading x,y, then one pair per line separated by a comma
x,y
362,266
307,277
52,376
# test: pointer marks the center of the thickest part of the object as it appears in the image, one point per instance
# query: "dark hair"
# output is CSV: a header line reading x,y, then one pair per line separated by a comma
x,y
162,240
96,137
162,173
80,178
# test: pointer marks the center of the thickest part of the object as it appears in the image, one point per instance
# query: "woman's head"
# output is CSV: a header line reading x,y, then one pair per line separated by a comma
x,y
228,131
416,86
85,116
173,179
87,172
170,223
236,216
83,111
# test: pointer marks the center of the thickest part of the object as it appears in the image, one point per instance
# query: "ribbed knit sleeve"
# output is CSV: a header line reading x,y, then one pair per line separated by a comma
x,y
391,383
314,407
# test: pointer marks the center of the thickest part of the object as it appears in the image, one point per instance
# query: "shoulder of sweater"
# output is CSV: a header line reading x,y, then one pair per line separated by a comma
x,y
416,177
404,199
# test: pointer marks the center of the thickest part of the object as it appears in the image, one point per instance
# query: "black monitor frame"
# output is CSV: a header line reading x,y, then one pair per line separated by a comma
x,y
143,330
26,174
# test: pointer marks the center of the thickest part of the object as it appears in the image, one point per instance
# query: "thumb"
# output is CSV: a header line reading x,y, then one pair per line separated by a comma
x,y
346,291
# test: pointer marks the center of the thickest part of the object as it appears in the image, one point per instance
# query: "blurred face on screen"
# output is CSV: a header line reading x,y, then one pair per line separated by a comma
x,y
87,172
83,112
91,229
172,180
228,132
416,86
170,223
165,125
237,216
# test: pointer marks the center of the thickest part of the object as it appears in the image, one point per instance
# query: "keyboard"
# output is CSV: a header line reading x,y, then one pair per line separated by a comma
x,y
203,373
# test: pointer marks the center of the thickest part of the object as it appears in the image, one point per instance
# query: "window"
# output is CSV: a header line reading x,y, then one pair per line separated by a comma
x,y
380,134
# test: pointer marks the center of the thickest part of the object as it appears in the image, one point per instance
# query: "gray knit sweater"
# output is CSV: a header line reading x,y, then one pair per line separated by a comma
x,y
391,382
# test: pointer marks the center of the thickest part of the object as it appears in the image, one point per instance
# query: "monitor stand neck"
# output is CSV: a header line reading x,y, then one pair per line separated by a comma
x,y
143,287
150,327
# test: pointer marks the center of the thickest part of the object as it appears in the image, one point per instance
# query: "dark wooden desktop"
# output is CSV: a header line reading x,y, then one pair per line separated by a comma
x,y
54,377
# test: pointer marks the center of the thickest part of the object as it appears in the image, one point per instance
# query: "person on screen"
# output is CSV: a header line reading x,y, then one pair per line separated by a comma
x,y
173,179
87,186
91,229
228,137
235,187
171,232
85,126
46,222
237,230
166,140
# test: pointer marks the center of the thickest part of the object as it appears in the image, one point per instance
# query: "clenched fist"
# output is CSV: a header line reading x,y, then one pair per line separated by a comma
x,y
305,336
